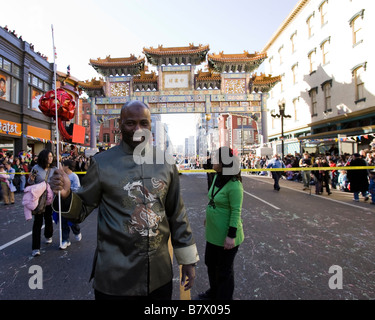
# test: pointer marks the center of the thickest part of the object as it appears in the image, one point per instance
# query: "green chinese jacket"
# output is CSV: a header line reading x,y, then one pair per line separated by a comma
x,y
140,207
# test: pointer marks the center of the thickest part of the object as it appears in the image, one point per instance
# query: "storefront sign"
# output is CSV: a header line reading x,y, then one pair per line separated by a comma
x,y
9,127
38,132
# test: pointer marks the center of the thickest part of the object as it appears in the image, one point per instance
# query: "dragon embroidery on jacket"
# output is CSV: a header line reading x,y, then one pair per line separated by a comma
x,y
144,220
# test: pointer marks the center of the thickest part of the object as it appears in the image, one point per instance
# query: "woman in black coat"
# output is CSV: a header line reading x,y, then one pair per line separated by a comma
x,y
358,178
317,176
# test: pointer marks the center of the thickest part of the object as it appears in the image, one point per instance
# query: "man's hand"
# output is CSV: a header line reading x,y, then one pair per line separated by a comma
x,y
187,271
60,182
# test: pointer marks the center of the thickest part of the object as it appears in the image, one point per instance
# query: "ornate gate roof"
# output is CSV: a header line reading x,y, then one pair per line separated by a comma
x,y
112,66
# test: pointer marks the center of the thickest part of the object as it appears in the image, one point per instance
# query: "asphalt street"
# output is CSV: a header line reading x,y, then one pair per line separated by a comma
x,y
293,239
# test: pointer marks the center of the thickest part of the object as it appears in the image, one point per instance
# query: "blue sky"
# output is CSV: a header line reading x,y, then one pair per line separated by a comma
x,y
91,29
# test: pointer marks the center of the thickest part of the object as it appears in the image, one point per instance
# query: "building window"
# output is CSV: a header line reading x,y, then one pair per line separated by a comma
x,y
326,87
9,85
281,54
273,119
312,60
313,94
34,96
16,70
106,138
40,84
7,65
358,74
294,73
37,87
34,81
310,26
293,41
323,12
282,83
270,61
325,47
15,91
356,23
357,30
295,109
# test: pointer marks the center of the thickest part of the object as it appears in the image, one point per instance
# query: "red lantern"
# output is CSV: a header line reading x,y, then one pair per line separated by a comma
x,y
65,108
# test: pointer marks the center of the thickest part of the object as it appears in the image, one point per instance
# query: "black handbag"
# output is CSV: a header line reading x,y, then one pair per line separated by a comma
x,y
41,204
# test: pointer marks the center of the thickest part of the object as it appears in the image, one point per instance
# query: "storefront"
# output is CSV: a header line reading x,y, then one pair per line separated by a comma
x,y
9,132
11,135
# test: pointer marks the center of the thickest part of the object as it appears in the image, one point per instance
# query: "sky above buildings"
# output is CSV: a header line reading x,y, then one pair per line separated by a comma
x,y
91,29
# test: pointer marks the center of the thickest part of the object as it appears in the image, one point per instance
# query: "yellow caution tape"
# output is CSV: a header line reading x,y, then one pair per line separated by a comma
x,y
257,170
78,172
288,169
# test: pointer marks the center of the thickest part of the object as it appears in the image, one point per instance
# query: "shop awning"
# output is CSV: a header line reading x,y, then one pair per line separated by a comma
x,y
40,133
345,132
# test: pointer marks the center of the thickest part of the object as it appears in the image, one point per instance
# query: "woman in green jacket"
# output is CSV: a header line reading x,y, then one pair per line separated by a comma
x,y
224,232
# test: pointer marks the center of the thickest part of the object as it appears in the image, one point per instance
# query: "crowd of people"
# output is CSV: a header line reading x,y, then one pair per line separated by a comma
x,y
342,180
23,164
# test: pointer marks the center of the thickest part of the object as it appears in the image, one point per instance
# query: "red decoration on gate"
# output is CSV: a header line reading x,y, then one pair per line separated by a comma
x,y
65,108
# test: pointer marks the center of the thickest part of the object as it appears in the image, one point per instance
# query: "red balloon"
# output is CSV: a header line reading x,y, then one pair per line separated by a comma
x,y
65,108
65,104
47,104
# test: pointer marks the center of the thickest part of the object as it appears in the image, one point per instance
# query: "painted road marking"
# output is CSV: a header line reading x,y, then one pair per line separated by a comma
x,y
16,240
264,201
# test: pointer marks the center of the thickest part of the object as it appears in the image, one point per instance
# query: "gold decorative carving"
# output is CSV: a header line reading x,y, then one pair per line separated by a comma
x,y
120,89
237,86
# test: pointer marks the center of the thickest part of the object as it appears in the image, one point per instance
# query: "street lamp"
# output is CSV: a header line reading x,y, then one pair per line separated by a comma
x,y
281,115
